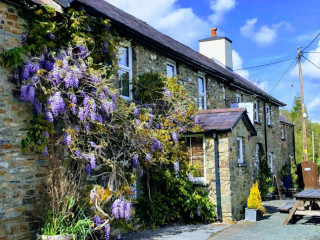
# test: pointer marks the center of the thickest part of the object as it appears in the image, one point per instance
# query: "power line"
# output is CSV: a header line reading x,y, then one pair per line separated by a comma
x,y
267,64
285,72
311,62
310,52
311,42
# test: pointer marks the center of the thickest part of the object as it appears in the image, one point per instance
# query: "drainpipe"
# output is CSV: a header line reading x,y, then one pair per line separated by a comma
x,y
265,129
294,147
217,173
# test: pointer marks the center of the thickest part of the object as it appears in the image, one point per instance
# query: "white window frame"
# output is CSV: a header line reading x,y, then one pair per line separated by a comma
x,y
268,114
282,131
271,161
256,111
238,98
172,63
240,155
127,69
199,179
257,156
204,93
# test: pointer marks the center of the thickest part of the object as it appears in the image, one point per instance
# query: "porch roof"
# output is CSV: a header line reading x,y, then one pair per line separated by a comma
x,y
225,120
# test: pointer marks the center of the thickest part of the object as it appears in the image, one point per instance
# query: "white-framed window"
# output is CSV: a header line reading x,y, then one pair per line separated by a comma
x,y
282,131
171,68
202,92
268,117
239,149
125,71
257,156
196,147
238,98
255,111
271,161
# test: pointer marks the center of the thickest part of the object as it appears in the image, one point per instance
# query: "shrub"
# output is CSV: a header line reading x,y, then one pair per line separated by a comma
x,y
174,199
254,199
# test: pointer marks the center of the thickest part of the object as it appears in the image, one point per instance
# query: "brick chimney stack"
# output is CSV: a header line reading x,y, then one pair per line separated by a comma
x,y
214,32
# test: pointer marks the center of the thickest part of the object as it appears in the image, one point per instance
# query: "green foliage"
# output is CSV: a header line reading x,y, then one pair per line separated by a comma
x,y
285,171
72,222
148,87
35,140
173,199
12,57
264,173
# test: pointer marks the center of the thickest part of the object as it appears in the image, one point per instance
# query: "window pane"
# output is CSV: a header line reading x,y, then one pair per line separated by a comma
x,y
124,83
201,102
238,148
201,85
124,56
170,70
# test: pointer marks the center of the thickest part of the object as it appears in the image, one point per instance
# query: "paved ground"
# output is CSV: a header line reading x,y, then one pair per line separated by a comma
x,y
270,228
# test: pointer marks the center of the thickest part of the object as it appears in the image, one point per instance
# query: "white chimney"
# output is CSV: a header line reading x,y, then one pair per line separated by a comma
x,y
218,48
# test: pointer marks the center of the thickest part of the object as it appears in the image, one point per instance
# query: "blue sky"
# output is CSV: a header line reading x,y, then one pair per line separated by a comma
x,y
262,31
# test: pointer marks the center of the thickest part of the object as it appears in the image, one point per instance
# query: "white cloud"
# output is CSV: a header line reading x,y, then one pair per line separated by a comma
x,y
314,104
237,64
264,36
220,8
308,69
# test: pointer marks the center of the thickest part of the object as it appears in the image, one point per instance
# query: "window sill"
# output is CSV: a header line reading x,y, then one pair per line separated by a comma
x,y
242,165
200,181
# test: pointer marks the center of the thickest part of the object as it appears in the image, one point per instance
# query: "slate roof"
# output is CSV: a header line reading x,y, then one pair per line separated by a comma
x,y
174,47
224,120
284,120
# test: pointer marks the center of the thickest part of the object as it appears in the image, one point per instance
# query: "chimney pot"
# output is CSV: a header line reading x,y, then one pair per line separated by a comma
x,y
214,32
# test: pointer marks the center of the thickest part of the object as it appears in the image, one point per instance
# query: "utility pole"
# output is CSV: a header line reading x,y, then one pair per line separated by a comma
x,y
313,147
304,115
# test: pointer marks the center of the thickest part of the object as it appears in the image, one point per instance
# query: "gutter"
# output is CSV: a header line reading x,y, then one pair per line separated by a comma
x,y
294,146
217,175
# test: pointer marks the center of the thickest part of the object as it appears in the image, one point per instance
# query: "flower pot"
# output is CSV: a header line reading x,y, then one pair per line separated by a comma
x,y
57,237
253,215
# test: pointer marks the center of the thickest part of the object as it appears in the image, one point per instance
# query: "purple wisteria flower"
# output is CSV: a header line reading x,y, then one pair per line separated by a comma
x,y
167,93
37,106
92,195
156,145
106,90
88,169
45,134
114,98
174,137
57,104
24,37
151,118
176,167
107,232
77,153
93,144
67,140
45,151
191,178
27,92
135,160
87,126
93,161
158,126
148,157
73,98
81,115
49,115
52,36
136,112
104,48
97,220
121,209
196,120
82,51
140,171
108,107
138,122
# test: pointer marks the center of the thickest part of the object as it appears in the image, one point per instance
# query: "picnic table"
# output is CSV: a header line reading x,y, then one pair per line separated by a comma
x,y
307,201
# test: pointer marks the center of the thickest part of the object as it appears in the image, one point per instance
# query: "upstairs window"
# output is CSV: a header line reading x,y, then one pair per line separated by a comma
x,y
255,111
271,161
125,72
268,118
238,98
282,131
195,145
239,150
202,92
171,69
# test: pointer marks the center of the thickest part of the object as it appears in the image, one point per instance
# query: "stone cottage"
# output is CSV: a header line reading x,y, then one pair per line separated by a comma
x,y
237,116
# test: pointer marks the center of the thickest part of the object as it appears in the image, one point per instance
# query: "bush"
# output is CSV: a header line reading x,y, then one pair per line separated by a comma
x,y
174,199
254,199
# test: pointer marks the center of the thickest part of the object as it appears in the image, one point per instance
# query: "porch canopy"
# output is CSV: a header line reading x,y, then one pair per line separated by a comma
x,y
225,120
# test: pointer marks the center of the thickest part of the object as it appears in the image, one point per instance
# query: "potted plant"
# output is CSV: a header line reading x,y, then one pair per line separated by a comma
x,y
254,210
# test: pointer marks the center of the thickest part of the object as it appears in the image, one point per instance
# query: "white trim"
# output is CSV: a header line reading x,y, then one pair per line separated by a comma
x,y
271,161
240,154
171,63
238,97
268,114
282,131
127,69
256,111
257,156
204,93
199,179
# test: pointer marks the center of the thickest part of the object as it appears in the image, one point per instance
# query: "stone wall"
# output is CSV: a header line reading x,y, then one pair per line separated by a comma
x,y
20,174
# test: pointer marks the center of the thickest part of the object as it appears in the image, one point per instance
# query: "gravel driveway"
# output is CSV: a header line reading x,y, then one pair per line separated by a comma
x,y
270,228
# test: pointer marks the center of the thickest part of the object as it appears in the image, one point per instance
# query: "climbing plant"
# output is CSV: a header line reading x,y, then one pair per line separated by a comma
x,y
67,69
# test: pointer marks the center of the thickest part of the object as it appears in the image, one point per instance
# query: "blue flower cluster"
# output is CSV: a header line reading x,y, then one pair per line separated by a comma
x,y
121,209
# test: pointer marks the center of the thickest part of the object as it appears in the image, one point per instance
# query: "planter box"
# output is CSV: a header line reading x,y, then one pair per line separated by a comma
x,y
253,215
57,237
